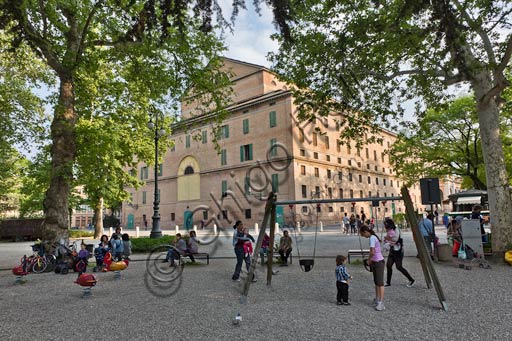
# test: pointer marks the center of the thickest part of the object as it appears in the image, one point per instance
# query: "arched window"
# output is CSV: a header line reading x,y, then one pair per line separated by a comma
x,y
189,170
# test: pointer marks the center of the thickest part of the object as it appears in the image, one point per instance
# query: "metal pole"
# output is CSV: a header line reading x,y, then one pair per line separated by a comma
x,y
155,229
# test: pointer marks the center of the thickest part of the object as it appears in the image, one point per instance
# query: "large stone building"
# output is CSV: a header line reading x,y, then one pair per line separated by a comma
x,y
263,147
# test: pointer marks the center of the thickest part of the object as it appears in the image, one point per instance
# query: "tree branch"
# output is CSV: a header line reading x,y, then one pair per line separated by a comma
x,y
34,37
506,56
85,29
478,28
45,22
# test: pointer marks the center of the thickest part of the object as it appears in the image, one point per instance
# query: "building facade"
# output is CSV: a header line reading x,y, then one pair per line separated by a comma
x,y
262,147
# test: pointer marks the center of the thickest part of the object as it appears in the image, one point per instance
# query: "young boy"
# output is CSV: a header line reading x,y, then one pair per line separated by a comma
x,y
342,278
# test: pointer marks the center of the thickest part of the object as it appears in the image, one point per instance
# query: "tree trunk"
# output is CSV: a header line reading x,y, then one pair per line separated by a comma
x,y
500,200
98,213
55,205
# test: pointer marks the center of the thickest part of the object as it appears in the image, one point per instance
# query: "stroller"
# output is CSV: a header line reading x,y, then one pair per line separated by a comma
x,y
66,259
99,254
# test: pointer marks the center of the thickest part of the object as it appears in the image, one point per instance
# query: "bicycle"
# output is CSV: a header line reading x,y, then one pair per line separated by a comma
x,y
39,261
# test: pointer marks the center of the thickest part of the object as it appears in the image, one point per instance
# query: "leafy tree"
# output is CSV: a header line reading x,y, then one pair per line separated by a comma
x,y
445,141
35,183
75,38
368,57
21,110
11,166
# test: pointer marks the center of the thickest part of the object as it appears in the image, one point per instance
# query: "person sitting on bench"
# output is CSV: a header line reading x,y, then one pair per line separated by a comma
x,y
192,245
285,248
180,249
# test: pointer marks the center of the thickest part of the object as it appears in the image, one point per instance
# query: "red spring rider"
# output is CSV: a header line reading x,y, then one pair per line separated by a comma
x,y
86,281
20,271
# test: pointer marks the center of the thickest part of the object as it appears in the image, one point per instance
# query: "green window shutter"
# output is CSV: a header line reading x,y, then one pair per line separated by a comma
x,y
275,183
246,184
250,152
205,137
242,158
187,141
142,173
272,118
223,157
273,150
226,131
143,197
224,186
160,169
246,126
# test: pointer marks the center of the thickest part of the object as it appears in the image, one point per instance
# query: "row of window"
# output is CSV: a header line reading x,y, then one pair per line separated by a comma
x,y
325,138
341,193
349,162
246,153
144,172
274,182
223,132
330,209
316,171
225,215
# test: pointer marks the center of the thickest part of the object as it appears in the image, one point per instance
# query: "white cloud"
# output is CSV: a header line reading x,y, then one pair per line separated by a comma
x,y
250,41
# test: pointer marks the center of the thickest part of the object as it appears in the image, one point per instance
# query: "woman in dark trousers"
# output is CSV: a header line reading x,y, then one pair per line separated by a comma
x,y
396,252
239,238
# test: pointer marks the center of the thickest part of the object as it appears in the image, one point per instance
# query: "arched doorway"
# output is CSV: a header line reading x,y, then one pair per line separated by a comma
x,y
189,179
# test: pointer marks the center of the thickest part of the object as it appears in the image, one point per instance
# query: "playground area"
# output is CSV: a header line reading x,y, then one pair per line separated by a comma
x,y
298,305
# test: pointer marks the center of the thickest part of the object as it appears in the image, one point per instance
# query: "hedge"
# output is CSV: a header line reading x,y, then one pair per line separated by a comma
x,y
80,234
146,244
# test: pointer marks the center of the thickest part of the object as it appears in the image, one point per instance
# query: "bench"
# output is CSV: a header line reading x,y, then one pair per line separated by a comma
x,y
200,255
359,252
277,256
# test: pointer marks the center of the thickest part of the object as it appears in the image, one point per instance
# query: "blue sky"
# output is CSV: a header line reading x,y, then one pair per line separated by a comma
x,y
250,42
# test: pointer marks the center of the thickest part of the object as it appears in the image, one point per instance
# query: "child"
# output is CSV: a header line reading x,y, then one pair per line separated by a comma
x,y
83,255
247,253
376,263
127,246
264,248
117,247
342,278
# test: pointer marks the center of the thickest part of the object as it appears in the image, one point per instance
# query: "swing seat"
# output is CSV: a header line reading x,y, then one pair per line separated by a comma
x,y
307,264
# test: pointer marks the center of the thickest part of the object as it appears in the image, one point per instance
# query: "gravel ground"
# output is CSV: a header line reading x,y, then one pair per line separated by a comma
x,y
298,305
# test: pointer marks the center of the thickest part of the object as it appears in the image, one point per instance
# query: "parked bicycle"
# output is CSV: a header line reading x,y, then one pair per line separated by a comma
x,y
40,261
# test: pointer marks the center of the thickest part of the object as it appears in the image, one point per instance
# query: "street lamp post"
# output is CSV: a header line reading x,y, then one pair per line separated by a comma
x,y
155,229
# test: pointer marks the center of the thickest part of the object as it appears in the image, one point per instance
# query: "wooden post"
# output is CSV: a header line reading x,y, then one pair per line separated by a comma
x,y
272,237
418,239
425,260
259,241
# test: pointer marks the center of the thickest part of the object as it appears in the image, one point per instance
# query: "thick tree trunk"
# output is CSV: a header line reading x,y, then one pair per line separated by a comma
x,y
63,151
98,213
500,200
